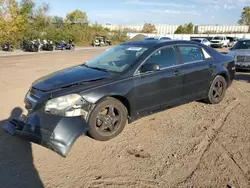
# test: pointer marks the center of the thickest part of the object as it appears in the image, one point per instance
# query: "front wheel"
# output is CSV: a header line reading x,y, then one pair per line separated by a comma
x,y
217,90
107,119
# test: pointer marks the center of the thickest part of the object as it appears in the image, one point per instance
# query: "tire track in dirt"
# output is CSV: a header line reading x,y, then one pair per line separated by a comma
x,y
184,170
238,172
121,182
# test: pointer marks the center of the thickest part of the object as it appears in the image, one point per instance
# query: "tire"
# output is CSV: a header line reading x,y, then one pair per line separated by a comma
x,y
217,90
101,131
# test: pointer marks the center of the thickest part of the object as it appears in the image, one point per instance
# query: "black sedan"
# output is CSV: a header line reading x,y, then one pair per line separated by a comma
x,y
120,85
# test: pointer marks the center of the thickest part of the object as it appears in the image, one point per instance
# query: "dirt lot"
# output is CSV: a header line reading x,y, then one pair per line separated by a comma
x,y
194,145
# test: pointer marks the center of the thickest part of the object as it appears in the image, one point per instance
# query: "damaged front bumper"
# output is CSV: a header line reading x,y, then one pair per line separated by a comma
x,y
56,133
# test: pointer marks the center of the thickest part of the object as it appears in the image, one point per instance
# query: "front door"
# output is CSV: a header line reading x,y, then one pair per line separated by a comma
x,y
155,89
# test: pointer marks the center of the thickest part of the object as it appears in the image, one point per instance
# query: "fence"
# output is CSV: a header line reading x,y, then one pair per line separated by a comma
x,y
163,29
187,36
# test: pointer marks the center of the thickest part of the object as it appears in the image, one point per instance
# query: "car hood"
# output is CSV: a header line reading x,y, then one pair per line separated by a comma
x,y
68,77
241,52
215,40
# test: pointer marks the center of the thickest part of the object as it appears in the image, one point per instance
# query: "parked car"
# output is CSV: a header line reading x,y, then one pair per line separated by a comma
x,y
201,40
157,38
209,38
219,42
122,84
232,41
101,41
241,53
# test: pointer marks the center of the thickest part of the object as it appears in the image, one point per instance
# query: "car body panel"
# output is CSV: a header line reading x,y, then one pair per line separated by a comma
x,y
197,77
50,131
68,77
151,91
140,93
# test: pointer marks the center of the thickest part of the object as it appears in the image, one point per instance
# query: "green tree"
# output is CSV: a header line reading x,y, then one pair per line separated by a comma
x,y
245,16
12,23
149,28
77,17
58,21
179,30
190,28
27,8
39,22
185,29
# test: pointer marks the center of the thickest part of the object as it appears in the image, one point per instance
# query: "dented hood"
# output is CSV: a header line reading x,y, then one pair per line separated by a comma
x,y
69,76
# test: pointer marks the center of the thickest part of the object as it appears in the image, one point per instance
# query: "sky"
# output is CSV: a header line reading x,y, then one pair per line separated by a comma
x,y
172,12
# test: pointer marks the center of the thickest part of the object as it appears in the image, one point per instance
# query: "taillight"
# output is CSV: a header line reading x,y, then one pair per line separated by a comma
x,y
233,68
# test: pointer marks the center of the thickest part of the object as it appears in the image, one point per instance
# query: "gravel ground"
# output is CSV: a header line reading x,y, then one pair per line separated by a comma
x,y
193,145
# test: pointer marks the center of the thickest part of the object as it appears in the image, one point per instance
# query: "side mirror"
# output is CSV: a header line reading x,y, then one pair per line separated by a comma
x,y
148,67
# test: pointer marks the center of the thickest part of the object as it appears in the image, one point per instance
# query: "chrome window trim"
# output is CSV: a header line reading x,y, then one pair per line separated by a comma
x,y
136,73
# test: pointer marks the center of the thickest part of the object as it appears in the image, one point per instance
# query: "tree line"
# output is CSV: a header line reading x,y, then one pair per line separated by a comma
x,y
23,20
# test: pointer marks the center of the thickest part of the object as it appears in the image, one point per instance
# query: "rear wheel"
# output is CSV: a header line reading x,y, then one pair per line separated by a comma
x,y
217,90
107,119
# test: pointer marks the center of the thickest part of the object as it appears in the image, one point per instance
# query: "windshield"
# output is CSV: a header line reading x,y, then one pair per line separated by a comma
x,y
116,59
218,38
242,45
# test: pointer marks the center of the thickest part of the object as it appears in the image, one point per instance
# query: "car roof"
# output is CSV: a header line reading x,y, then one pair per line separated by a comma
x,y
242,39
153,43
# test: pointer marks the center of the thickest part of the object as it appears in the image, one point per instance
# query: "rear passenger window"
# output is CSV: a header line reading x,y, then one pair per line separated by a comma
x,y
191,53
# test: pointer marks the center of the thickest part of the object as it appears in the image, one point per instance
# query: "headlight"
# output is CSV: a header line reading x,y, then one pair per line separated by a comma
x,y
68,105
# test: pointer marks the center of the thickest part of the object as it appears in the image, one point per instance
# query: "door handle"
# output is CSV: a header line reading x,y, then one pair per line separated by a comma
x,y
177,72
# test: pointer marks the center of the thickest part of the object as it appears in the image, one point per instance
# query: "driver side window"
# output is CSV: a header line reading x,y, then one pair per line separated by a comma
x,y
164,58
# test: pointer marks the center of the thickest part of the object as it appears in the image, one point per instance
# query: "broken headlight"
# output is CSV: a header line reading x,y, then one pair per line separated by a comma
x,y
68,105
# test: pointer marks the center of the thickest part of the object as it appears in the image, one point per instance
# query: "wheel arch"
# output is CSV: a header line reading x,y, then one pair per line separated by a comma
x,y
120,98
224,75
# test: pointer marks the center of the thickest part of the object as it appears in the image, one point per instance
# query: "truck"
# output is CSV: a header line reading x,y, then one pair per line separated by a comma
x,y
219,42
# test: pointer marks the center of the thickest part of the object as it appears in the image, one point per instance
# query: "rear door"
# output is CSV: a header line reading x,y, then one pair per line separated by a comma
x,y
197,74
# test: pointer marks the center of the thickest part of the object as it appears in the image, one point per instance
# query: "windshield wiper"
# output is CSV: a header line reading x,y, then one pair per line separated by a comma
x,y
98,68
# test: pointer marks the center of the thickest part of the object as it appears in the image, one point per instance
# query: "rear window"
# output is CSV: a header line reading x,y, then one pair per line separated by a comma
x,y
191,53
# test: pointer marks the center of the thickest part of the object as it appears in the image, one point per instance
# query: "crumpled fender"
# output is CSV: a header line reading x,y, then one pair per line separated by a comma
x,y
56,133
